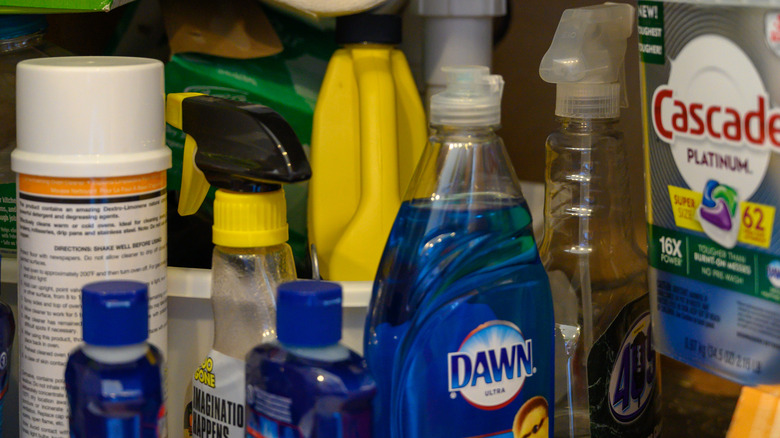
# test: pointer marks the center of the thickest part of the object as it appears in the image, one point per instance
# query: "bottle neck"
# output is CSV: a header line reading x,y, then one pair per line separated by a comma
x,y
587,204
115,355
464,163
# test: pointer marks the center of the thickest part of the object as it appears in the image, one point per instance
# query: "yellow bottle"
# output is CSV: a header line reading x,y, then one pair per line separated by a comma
x,y
369,131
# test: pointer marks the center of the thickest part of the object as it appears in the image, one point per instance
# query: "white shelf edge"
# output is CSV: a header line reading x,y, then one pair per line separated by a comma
x,y
196,283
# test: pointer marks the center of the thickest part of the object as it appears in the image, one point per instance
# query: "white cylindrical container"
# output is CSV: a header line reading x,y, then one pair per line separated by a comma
x,y
91,194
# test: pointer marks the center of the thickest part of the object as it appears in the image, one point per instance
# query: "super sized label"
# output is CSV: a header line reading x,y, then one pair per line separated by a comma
x,y
712,133
218,397
73,231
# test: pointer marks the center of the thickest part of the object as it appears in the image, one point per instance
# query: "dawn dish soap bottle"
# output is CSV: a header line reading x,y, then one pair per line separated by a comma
x,y
308,385
459,334
114,381
248,151
606,368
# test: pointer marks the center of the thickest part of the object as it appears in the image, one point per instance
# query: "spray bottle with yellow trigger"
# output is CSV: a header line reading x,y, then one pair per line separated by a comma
x,y
247,151
606,369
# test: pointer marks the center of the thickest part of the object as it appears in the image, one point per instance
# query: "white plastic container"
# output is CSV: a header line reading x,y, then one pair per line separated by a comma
x,y
91,197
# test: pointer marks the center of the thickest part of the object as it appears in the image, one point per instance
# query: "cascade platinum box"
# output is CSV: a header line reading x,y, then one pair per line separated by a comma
x,y
710,76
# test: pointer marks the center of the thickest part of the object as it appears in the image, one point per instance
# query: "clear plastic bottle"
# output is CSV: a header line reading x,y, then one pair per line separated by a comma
x,y
461,281
21,38
595,267
606,368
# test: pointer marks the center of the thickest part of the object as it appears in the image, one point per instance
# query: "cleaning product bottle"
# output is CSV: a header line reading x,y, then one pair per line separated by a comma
x,y
368,134
308,384
7,331
114,380
92,205
248,151
459,334
606,368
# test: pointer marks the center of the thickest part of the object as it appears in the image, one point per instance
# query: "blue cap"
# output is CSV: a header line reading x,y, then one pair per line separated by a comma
x,y
308,313
14,26
115,313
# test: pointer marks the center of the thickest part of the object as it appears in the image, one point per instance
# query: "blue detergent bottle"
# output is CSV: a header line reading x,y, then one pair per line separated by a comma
x,y
114,380
308,385
459,334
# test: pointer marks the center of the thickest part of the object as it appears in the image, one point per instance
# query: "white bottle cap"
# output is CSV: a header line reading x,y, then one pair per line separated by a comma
x,y
90,117
472,98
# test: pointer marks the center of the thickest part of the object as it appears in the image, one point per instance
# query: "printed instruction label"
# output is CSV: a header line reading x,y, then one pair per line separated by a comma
x,y
8,218
73,231
218,397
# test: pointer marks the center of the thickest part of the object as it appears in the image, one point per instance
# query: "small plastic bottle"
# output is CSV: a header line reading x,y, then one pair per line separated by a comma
x,y
307,384
114,380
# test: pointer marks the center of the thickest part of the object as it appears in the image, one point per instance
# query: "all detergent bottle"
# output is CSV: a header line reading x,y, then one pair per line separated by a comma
x,y
368,134
307,384
606,368
114,380
248,151
459,334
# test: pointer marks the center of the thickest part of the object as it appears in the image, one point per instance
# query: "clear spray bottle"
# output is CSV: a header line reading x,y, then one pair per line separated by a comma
x,y
247,151
606,368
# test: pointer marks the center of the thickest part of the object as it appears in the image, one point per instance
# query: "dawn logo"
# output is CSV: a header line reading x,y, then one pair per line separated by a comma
x,y
491,365
633,376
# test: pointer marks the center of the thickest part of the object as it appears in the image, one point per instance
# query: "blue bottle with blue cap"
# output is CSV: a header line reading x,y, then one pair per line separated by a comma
x,y
307,384
114,380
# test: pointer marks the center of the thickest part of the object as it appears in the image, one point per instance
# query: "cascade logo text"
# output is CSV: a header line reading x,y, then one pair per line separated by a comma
x,y
757,127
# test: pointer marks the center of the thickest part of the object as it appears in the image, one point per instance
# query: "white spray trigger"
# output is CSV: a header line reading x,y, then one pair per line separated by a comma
x,y
586,60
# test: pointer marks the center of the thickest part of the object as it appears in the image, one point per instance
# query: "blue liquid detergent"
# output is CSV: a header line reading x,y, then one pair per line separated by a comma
x,y
114,380
313,398
115,400
460,328
307,385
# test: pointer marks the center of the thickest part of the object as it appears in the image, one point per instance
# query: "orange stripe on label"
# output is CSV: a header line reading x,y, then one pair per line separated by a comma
x,y
92,187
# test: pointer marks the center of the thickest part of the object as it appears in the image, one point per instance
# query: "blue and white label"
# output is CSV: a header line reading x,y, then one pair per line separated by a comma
x,y
633,376
773,273
491,365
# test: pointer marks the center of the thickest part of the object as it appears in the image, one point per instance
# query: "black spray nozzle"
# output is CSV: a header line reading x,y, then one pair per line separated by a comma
x,y
242,146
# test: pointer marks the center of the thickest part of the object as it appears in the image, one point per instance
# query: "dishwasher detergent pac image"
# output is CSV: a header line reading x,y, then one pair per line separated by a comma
x,y
711,85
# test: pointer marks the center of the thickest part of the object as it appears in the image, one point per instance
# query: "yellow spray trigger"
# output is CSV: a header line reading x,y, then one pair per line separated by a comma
x,y
194,185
